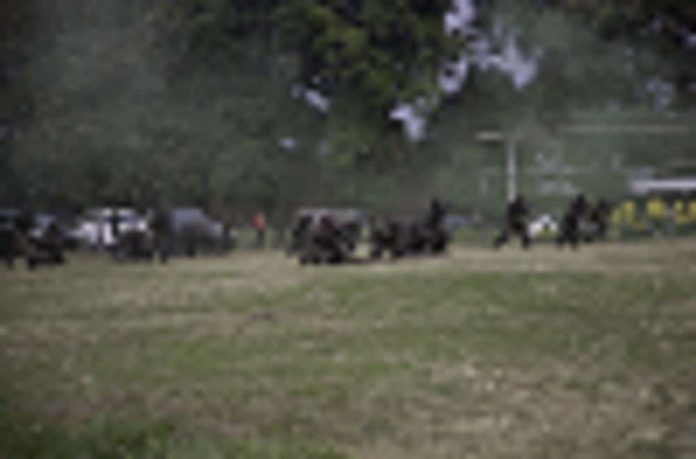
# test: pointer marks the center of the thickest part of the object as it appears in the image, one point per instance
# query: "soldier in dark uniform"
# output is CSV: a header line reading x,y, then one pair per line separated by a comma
x,y
324,243
24,222
17,240
400,237
393,236
417,237
299,233
439,239
115,224
598,216
162,229
572,219
52,244
515,223
436,213
437,235
330,242
9,246
381,237
47,248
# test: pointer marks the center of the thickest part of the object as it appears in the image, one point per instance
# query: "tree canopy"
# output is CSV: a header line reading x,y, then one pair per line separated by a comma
x,y
275,102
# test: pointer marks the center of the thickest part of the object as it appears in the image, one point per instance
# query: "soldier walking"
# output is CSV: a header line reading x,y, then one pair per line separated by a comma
x,y
572,219
515,223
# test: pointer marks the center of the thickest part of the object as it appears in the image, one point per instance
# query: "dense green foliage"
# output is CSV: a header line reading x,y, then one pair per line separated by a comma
x,y
206,101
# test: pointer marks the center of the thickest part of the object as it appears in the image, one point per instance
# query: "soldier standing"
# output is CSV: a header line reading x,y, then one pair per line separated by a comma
x,y
161,225
438,236
515,223
54,243
24,222
598,215
9,245
115,225
436,215
570,225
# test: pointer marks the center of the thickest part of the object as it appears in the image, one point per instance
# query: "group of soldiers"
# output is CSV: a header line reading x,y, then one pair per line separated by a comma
x,y
323,236
401,237
582,221
318,236
19,239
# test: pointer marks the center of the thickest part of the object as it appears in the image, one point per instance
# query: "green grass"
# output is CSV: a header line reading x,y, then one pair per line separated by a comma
x,y
477,354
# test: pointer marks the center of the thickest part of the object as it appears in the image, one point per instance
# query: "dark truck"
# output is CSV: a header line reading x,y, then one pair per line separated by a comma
x,y
194,232
188,231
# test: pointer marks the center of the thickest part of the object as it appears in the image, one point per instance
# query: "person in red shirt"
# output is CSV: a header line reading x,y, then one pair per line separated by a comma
x,y
259,223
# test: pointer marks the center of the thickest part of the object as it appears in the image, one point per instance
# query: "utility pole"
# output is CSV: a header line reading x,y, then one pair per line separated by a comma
x,y
510,141
511,169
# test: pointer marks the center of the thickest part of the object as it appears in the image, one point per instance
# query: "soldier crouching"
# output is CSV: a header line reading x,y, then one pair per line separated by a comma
x,y
324,242
389,236
400,237
45,248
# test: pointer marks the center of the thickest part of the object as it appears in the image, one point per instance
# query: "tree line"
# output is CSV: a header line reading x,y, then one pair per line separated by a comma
x,y
230,104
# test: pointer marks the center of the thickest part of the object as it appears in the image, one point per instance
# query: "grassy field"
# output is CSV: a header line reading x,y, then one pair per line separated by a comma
x,y
547,354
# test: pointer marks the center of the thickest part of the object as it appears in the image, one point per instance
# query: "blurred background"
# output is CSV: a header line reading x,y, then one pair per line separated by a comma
x,y
144,129
236,107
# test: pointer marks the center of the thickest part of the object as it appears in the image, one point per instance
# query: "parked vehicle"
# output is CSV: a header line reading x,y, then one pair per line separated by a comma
x,y
44,223
195,232
543,227
95,230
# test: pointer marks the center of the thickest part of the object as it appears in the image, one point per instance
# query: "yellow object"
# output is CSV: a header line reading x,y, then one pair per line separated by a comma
x,y
692,211
625,215
656,209
616,217
628,213
680,216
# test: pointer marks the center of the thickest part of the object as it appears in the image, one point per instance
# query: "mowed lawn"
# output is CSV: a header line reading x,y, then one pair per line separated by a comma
x,y
547,354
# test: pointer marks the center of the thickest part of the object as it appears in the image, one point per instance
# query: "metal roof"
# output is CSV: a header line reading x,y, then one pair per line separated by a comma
x,y
682,185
